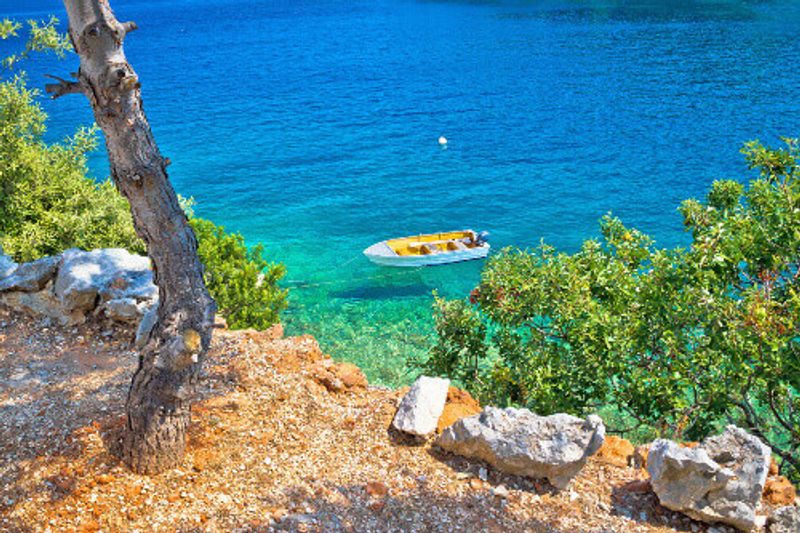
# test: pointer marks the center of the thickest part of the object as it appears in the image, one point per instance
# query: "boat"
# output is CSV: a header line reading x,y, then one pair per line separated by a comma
x,y
430,249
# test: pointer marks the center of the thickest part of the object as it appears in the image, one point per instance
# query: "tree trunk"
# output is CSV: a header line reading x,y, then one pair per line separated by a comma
x,y
159,400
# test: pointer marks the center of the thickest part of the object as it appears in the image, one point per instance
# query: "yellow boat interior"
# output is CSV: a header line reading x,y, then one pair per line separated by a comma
x,y
434,243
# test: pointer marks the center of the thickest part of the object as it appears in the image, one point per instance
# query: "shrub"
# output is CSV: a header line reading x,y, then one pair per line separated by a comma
x,y
679,340
243,283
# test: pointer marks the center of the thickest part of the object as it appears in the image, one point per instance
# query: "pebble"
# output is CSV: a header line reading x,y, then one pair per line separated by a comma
x,y
500,491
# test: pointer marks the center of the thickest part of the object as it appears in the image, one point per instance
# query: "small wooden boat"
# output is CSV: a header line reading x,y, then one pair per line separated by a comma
x,y
429,249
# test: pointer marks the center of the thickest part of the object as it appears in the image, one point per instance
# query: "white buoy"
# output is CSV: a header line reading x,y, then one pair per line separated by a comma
x,y
442,140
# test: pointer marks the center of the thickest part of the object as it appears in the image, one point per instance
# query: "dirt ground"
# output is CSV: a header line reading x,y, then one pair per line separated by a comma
x,y
270,448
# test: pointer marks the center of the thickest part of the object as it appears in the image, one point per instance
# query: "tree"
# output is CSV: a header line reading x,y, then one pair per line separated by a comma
x,y
161,392
675,342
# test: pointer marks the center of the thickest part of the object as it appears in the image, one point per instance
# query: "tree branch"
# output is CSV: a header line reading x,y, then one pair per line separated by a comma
x,y
129,26
63,87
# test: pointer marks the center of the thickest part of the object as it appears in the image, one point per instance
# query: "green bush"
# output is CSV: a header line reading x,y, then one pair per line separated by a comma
x,y
243,283
46,202
49,204
675,342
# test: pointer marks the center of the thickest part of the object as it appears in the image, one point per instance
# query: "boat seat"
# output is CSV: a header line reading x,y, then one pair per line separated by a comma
x,y
456,245
429,248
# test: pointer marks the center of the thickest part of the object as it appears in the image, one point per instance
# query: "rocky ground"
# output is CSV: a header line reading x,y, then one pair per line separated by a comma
x,y
283,439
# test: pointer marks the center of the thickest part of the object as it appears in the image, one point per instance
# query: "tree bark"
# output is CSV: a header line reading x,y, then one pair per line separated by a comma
x,y
159,399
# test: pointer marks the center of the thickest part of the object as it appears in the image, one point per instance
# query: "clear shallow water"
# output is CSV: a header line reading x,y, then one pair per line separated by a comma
x,y
313,127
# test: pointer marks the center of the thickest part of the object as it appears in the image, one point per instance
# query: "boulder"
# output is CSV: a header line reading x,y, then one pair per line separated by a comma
x,y
31,277
460,404
87,278
517,441
784,520
420,409
721,480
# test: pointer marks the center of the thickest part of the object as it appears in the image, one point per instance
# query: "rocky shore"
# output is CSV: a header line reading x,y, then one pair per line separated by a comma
x,y
284,438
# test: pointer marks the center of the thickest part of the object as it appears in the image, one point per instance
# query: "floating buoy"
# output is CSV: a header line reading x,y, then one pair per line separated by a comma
x,y
442,140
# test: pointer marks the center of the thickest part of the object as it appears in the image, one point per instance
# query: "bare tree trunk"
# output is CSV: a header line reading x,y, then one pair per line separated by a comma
x,y
161,392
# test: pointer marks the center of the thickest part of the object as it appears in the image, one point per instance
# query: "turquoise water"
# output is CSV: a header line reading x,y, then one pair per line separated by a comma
x,y
313,127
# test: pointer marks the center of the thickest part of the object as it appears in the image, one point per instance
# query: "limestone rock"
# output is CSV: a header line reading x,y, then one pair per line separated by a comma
x,y
420,409
103,275
41,303
460,404
784,520
721,480
682,476
31,277
125,309
520,442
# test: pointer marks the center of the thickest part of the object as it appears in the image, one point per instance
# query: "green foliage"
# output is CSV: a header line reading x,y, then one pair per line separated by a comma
x,y
46,202
679,341
49,204
243,283
43,37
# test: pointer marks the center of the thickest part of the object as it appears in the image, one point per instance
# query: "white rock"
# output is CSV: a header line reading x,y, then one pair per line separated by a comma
x,y
500,491
719,481
41,303
106,274
784,520
520,442
420,409
123,309
31,277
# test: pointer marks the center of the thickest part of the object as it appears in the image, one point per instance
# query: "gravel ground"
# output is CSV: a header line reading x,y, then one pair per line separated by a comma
x,y
270,449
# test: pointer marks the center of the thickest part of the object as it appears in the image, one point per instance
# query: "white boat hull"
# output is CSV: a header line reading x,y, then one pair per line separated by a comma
x,y
382,254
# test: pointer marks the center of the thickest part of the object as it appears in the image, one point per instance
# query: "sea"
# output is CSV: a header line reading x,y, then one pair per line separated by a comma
x,y
313,127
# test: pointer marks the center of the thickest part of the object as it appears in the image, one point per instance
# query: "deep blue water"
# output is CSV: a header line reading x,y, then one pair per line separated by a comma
x,y
312,126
